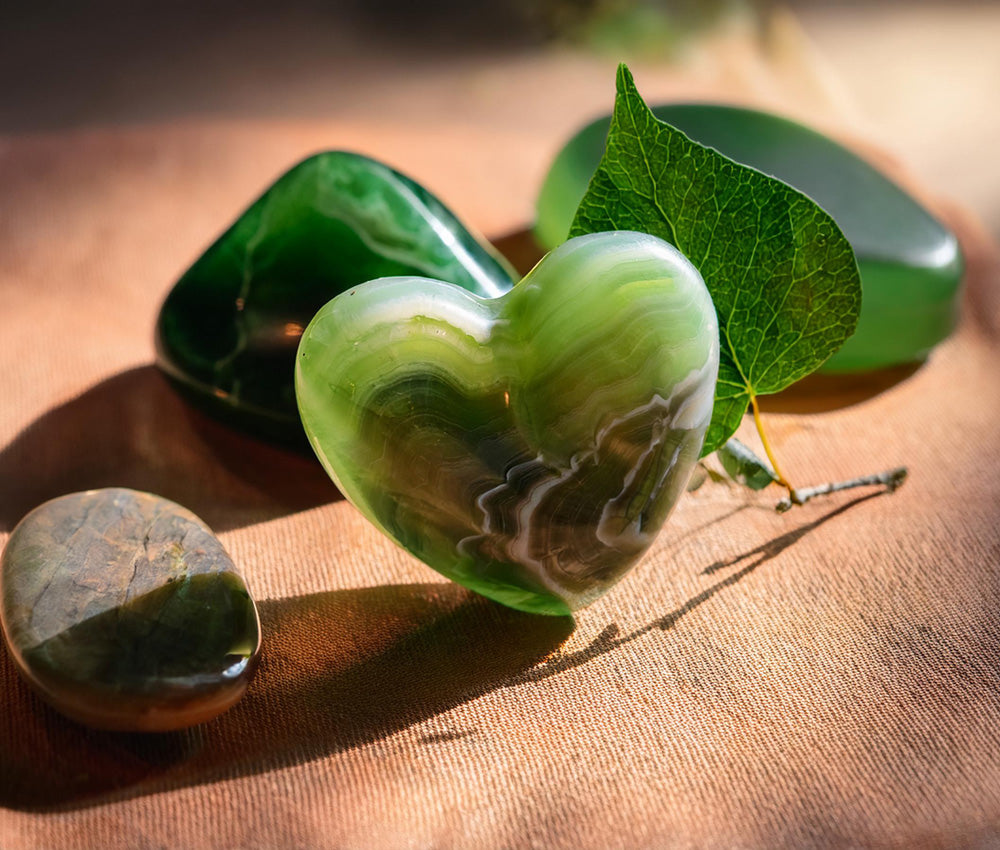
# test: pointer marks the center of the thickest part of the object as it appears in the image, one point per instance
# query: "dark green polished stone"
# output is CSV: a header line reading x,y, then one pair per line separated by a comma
x,y
910,264
124,612
228,330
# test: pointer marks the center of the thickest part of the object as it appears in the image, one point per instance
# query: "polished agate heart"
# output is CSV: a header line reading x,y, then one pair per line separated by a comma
x,y
530,446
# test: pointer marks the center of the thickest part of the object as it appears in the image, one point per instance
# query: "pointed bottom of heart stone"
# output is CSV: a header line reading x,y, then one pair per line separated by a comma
x,y
540,601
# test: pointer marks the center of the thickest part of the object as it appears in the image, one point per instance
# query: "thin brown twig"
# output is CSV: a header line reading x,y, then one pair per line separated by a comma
x,y
891,479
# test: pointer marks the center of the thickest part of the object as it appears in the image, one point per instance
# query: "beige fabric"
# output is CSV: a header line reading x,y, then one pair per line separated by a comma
x,y
825,678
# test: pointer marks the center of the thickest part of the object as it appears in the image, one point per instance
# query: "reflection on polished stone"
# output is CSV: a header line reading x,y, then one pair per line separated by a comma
x,y
124,612
228,331
529,446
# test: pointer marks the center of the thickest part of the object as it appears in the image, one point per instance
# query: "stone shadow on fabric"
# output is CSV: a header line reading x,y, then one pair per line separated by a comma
x,y
338,670
611,638
132,430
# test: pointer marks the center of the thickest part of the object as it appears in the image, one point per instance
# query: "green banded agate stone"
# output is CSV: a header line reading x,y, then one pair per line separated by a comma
x,y
529,446
227,333
124,612
910,264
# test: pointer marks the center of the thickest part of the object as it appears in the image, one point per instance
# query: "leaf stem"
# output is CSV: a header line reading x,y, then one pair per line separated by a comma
x,y
779,475
891,479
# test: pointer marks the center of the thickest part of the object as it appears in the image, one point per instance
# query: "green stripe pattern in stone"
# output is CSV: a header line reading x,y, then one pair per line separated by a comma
x,y
228,330
530,446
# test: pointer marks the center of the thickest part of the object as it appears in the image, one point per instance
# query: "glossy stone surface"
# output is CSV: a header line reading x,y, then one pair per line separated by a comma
x,y
910,264
228,331
529,446
124,612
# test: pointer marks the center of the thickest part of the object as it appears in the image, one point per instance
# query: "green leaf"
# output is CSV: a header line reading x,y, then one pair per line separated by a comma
x,y
781,273
702,473
910,263
744,467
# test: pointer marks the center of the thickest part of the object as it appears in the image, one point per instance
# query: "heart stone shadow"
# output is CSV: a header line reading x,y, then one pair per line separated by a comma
x,y
338,670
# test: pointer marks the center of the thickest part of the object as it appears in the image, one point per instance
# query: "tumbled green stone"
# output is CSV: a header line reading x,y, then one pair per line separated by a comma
x,y
228,330
910,264
530,446
124,612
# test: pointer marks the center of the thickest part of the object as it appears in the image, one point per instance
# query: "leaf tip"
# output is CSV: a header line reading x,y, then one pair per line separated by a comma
x,y
624,80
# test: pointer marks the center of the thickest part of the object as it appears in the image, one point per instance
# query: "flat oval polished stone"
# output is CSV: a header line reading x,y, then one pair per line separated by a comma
x,y
531,446
911,264
227,333
124,612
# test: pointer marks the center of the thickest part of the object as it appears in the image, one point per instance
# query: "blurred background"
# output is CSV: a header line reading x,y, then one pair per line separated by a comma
x,y
919,79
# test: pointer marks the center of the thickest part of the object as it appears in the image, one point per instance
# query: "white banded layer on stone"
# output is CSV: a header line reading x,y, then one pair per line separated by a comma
x,y
529,446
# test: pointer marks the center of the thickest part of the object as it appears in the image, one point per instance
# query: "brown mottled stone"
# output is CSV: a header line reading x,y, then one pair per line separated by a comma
x,y
124,611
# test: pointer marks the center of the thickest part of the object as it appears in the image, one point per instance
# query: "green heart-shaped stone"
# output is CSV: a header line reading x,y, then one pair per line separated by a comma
x,y
529,446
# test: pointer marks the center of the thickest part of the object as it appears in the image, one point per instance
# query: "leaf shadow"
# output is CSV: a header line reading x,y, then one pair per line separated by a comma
x,y
132,430
611,638
339,670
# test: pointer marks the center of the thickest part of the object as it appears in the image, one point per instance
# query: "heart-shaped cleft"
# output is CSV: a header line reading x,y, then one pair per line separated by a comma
x,y
530,446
